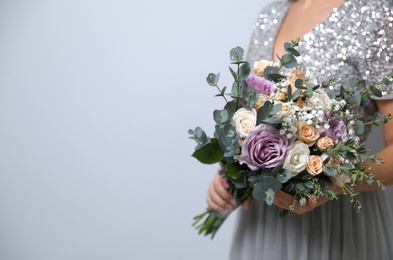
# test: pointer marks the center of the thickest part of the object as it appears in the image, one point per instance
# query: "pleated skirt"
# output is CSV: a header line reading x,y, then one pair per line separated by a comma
x,y
332,231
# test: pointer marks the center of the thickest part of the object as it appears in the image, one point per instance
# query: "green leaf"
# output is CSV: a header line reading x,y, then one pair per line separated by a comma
x,y
376,92
275,109
233,170
264,111
210,153
272,121
233,73
288,47
284,176
359,127
244,71
220,116
352,82
289,92
265,183
269,197
299,84
386,81
330,171
296,94
288,61
358,97
236,54
272,73
302,201
212,79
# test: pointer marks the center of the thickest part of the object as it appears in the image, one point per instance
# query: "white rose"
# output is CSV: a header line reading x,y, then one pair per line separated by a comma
x,y
320,98
244,121
297,158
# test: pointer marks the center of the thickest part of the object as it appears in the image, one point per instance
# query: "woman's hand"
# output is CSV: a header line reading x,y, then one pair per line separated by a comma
x,y
218,197
285,201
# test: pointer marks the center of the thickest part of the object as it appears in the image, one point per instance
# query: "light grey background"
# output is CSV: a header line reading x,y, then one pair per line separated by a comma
x,y
96,98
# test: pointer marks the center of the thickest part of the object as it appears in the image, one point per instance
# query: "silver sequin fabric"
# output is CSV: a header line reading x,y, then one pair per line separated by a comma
x,y
354,41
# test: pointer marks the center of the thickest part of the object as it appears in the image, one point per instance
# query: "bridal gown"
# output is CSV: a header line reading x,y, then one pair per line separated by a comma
x,y
355,40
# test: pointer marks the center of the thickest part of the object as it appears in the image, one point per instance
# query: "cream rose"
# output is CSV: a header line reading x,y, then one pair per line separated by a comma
x,y
244,121
260,66
297,158
320,98
314,165
324,142
307,133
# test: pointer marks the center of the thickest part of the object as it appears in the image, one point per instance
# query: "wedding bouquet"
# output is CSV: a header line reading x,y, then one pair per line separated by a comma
x,y
280,132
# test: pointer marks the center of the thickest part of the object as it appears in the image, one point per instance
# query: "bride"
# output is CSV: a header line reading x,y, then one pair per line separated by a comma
x,y
342,39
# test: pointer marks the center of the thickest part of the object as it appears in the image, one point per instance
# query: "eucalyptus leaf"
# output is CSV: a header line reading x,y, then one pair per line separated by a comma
x,y
264,111
272,121
299,84
359,127
236,54
269,197
272,182
352,82
330,171
296,94
284,176
276,108
358,97
288,61
212,79
244,71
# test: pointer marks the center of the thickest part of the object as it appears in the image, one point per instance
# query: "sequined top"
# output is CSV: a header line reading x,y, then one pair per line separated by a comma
x,y
354,41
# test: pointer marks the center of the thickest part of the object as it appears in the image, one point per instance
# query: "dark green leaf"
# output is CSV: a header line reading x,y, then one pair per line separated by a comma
x,y
210,153
376,92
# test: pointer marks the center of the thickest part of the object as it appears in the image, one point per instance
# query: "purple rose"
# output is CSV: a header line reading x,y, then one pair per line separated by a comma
x,y
264,147
337,129
260,84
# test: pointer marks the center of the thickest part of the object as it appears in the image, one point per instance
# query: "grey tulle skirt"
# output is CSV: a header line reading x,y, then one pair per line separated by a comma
x,y
332,231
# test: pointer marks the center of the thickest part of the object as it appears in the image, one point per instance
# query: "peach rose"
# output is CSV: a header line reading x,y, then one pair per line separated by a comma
x,y
260,66
307,133
280,96
261,100
324,143
314,165
293,76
